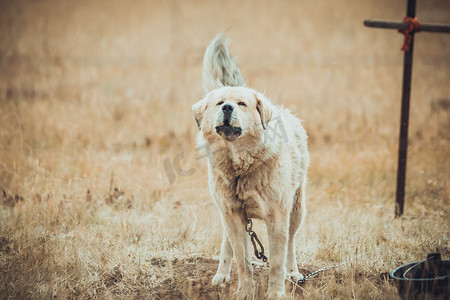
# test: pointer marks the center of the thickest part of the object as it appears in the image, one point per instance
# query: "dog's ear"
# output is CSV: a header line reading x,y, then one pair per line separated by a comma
x,y
198,109
264,108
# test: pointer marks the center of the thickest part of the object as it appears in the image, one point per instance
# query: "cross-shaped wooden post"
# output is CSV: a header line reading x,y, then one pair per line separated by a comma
x,y
409,26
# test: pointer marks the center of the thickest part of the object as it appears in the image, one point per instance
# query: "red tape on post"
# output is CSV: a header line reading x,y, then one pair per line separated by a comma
x,y
413,26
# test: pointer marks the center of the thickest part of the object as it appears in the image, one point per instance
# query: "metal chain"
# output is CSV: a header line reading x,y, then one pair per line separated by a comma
x,y
253,236
315,273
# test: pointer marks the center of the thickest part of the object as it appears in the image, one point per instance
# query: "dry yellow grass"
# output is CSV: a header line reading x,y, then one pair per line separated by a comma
x,y
95,95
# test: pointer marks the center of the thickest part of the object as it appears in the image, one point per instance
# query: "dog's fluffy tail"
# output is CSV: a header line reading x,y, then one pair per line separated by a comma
x,y
219,68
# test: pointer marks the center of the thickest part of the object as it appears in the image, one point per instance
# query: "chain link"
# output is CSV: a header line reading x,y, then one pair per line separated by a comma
x,y
253,236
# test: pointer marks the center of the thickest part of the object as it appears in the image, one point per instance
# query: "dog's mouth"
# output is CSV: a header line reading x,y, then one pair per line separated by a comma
x,y
229,132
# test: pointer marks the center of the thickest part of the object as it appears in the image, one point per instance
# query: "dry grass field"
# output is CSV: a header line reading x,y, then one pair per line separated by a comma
x,y
95,101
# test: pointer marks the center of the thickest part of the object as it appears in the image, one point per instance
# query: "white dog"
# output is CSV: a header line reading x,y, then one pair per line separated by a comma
x,y
258,156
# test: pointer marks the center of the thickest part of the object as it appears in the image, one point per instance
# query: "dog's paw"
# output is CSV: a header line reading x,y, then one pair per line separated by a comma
x,y
220,279
276,294
295,276
244,293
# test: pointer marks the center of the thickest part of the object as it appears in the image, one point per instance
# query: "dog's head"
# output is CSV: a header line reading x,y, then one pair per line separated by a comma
x,y
232,112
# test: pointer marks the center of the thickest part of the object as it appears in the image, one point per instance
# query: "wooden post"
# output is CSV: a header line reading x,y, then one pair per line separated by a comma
x,y
404,118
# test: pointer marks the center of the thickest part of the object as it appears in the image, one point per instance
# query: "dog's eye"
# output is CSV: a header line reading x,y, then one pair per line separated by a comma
x,y
220,103
242,104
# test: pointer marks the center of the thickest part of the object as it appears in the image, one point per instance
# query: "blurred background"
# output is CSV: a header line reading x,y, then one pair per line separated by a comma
x,y
95,106
114,74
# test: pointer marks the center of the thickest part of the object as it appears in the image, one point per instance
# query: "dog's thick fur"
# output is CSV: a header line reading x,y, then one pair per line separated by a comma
x,y
258,154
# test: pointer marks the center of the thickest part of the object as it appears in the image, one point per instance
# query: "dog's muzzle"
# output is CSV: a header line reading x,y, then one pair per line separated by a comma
x,y
228,131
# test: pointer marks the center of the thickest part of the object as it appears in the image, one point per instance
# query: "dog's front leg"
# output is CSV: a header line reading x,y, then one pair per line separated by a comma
x,y
226,255
277,229
235,228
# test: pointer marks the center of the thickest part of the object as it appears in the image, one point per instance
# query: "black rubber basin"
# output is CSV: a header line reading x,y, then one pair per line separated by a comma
x,y
427,279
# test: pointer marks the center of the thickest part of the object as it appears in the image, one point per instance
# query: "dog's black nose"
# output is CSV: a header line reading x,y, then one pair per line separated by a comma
x,y
227,108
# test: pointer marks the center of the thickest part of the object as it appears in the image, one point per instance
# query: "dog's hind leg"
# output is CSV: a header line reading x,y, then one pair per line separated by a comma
x,y
297,215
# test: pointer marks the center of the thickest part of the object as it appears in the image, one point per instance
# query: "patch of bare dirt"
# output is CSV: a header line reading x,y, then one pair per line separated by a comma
x,y
193,278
